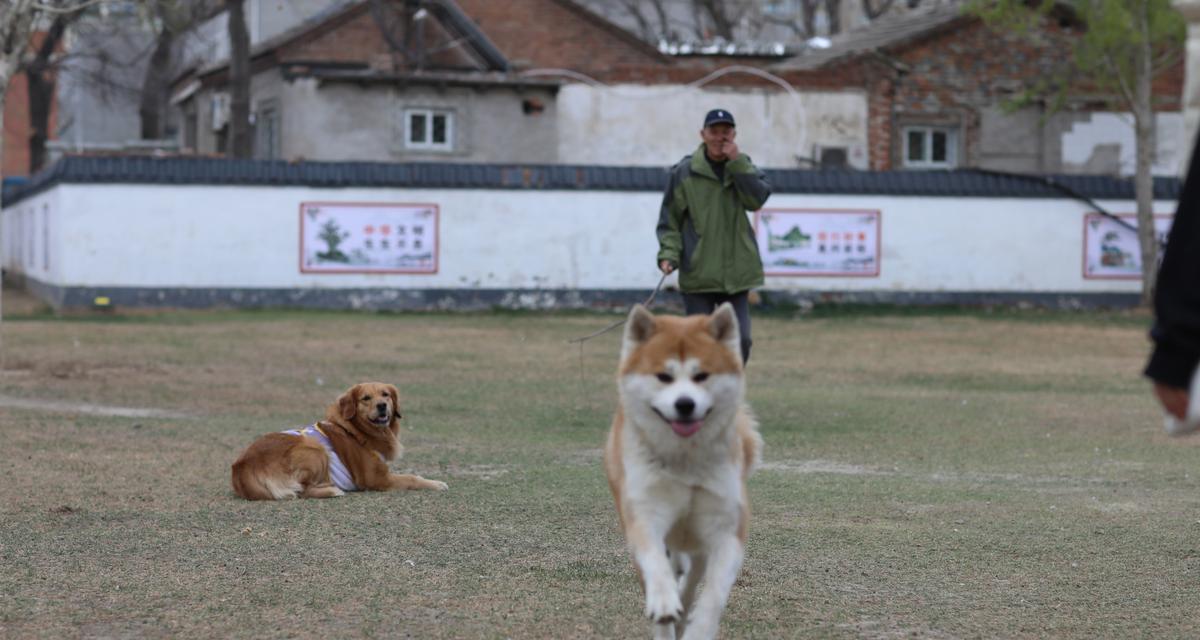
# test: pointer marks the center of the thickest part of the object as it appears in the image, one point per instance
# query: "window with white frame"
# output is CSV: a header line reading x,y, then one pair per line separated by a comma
x,y
429,129
930,147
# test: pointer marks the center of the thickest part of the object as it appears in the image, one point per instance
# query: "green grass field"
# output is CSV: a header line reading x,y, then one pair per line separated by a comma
x,y
933,475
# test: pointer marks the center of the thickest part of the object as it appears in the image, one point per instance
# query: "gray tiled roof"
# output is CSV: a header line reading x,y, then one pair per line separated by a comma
x,y
220,171
888,31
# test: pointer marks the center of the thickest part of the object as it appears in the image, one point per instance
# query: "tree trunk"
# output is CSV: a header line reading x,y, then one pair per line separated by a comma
x,y
809,7
720,21
155,85
40,76
833,10
1143,124
240,143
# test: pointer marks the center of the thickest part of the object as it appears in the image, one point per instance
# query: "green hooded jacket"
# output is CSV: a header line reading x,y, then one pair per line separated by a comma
x,y
703,229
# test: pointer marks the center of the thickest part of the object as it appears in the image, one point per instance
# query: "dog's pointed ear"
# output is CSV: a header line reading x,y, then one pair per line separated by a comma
x,y
639,326
347,403
723,325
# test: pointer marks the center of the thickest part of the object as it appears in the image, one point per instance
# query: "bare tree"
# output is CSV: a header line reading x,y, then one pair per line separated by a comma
x,y
18,20
718,12
171,19
873,10
240,143
40,78
833,11
652,26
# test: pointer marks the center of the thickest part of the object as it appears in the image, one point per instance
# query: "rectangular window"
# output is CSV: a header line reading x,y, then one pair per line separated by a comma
x,y
429,129
930,148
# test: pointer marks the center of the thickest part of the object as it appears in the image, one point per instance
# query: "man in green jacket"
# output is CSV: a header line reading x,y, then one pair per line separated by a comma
x,y
703,229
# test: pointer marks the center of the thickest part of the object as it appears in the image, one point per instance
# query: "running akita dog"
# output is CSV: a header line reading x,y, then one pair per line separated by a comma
x,y
680,449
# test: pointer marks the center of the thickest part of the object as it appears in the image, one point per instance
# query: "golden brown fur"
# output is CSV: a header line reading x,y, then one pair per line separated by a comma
x,y
363,426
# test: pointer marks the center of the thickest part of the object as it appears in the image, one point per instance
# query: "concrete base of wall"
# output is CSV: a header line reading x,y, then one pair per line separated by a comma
x,y
392,299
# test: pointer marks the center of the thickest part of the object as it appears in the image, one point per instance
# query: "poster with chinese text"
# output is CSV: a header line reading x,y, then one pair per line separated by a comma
x,y
818,242
345,237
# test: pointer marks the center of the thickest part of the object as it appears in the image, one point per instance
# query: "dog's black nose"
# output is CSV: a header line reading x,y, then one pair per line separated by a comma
x,y
685,406
381,407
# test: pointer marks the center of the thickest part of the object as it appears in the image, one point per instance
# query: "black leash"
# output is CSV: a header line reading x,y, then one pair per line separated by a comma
x,y
622,320
605,330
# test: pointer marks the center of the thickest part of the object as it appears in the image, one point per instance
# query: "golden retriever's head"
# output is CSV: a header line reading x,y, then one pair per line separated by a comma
x,y
371,403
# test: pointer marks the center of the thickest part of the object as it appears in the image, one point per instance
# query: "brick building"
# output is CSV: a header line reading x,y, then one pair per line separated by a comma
x,y
528,81
18,123
548,81
352,85
938,83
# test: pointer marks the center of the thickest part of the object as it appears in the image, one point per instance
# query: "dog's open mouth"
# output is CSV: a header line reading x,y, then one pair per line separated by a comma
x,y
683,428
381,420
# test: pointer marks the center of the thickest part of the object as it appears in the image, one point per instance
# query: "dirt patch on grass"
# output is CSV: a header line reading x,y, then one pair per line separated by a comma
x,y
58,406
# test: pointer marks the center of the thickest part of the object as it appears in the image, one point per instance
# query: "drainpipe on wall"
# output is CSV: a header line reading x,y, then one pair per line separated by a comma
x,y
1190,9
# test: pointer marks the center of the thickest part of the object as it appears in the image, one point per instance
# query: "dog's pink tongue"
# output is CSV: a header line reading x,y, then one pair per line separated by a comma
x,y
685,429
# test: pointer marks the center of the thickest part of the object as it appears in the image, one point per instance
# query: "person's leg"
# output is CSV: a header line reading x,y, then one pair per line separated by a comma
x,y
698,304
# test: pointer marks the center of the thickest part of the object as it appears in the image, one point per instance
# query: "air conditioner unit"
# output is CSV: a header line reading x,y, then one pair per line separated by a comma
x,y
832,157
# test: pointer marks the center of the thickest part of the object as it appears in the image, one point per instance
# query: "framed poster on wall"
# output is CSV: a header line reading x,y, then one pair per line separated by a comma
x,y
818,242
1111,250
368,237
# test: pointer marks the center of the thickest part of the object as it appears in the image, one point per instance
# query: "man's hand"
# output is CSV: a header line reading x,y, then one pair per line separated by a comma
x,y
1174,399
665,266
730,150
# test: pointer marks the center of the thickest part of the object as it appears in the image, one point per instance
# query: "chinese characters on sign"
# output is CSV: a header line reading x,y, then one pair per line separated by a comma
x,y
1111,251
818,242
338,237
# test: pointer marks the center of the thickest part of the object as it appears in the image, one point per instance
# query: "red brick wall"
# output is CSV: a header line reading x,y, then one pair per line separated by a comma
x,y
953,74
547,33
16,128
353,38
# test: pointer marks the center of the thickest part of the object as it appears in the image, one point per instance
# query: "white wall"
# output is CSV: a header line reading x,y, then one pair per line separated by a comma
x,y
643,125
162,236
31,237
1116,129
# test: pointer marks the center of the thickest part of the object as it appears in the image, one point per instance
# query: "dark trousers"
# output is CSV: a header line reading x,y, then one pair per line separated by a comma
x,y
706,303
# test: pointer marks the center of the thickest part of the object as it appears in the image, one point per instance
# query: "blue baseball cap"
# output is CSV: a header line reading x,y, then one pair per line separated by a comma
x,y
717,116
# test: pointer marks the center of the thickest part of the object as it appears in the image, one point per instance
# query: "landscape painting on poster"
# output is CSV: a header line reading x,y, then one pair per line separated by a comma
x,y
363,237
818,242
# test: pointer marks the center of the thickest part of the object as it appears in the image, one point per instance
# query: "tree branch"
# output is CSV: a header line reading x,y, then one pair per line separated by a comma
x,y
1122,83
874,12
71,8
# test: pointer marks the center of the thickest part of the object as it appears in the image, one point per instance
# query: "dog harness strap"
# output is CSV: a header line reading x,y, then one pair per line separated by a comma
x,y
337,469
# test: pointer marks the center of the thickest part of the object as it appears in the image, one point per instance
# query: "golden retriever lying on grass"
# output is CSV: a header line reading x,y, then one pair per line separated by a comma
x,y
348,451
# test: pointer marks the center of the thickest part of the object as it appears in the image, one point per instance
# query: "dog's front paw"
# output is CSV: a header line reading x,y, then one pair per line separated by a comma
x,y
438,485
663,604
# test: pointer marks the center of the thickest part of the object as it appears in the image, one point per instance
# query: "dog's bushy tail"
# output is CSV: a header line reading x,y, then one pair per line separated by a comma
x,y
752,442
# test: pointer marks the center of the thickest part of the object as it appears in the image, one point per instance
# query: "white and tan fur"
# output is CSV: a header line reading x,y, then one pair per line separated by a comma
x,y
681,447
